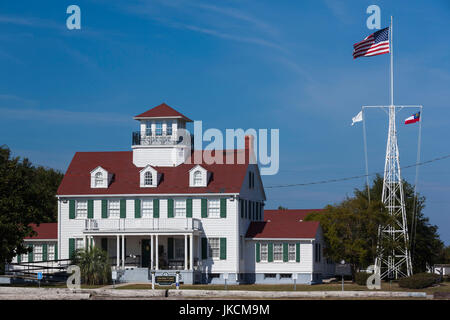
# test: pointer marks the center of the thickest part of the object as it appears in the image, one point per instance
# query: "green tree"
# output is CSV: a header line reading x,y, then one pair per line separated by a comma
x,y
425,244
27,195
94,266
351,230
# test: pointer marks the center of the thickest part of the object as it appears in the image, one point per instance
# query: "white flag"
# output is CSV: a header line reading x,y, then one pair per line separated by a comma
x,y
357,118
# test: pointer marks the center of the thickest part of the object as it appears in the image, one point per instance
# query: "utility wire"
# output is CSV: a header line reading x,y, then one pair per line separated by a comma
x,y
353,177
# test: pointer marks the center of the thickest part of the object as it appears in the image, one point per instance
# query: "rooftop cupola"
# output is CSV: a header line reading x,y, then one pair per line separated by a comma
x,y
161,140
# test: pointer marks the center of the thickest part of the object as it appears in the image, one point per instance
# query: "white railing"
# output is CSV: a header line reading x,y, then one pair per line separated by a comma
x,y
178,224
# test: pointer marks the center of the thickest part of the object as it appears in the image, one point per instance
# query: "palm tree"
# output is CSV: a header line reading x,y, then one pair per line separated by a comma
x,y
94,266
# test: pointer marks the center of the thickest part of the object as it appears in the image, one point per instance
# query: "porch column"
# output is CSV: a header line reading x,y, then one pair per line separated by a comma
x,y
152,252
118,252
123,251
185,253
191,251
157,253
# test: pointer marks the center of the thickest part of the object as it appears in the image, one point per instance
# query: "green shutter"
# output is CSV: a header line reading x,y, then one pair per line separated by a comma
x,y
204,208
30,254
297,252
56,251
137,208
90,207
155,208
71,209
189,208
223,248
285,252
241,208
44,252
258,252
223,207
169,208
170,248
204,248
270,252
71,247
19,258
123,208
104,208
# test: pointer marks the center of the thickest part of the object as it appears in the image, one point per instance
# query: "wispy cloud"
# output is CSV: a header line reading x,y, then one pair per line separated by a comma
x,y
63,116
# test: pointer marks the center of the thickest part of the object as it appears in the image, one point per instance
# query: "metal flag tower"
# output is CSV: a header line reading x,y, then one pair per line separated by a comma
x,y
393,254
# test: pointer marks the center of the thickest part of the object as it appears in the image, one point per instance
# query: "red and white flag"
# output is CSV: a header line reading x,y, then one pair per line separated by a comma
x,y
375,44
413,119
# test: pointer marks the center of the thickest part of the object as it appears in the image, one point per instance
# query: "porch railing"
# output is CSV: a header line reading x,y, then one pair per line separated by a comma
x,y
143,223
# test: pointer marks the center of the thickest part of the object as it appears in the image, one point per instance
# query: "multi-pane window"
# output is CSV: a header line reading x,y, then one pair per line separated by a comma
x,y
180,208
79,244
291,252
148,129
158,129
37,252
169,128
277,252
147,208
214,208
81,209
99,179
179,248
114,208
214,248
198,178
51,252
24,257
148,178
264,252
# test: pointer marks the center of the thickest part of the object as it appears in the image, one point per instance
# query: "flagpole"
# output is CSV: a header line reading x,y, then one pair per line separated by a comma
x,y
391,49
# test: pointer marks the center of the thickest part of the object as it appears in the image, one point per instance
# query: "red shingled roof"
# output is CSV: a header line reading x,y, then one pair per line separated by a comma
x,y
162,111
45,231
285,224
226,178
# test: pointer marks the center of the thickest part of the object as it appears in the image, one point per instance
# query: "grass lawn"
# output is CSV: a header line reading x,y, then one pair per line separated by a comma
x,y
444,287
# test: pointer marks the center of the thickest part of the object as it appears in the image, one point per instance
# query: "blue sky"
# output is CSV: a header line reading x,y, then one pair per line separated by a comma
x,y
232,64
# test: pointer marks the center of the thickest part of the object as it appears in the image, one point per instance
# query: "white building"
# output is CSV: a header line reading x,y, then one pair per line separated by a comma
x,y
152,210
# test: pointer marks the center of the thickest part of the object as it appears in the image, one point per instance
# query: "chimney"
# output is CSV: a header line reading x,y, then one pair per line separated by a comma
x,y
250,148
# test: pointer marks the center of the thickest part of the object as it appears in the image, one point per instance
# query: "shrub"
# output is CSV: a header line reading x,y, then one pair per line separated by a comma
x,y
419,281
94,266
361,278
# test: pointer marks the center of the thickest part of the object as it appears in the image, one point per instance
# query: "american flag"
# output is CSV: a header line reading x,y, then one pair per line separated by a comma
x,y
375,44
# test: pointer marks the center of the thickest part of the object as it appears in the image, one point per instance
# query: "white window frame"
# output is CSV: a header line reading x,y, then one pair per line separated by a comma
x,y
157,129
264,252
278,252
213,210
179,208
24,257
169,128
198,178
214,248
148,178
79,244
51,252
38,252
81,209
147,208
113,207
292,245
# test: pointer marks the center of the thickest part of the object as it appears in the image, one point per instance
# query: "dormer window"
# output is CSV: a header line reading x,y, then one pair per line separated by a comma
x,y
100,178
149,177
198,177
